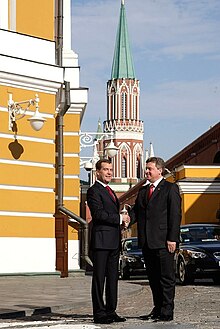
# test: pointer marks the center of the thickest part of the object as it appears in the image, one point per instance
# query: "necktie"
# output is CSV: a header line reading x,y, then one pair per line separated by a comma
x,y
151,189
110,192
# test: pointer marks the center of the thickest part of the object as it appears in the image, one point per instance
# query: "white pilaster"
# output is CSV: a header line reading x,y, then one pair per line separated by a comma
x,y
4,14
70,58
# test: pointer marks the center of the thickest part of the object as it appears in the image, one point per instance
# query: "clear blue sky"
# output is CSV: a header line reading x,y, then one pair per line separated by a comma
x,y
176,53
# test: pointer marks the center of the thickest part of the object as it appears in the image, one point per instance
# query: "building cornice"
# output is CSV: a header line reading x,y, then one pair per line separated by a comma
x,y
198,187
196,167
30,75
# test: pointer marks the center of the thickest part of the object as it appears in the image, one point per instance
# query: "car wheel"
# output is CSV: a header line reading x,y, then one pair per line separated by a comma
x,y
183,275
124,273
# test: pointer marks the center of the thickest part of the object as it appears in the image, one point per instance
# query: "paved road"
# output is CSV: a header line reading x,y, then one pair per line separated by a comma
x,y
196,307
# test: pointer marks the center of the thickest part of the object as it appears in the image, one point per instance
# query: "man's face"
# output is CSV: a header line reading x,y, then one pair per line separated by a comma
x,y
152,173
105,173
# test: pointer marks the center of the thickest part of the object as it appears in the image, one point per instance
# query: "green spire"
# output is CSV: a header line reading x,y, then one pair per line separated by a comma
x,y
122,66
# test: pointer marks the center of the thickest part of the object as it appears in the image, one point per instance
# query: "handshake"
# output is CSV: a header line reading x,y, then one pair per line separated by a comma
x,y
125,218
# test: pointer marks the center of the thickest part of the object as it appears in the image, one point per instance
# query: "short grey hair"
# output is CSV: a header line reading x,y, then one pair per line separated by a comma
x,y
159,163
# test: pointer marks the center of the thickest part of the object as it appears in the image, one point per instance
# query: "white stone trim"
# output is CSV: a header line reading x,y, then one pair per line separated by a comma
x,y
30,75
29,139
27,163
26,188
4,14
69,198
70,133
199,187
197,167
26,214
13,21
31,48
71,176
71,155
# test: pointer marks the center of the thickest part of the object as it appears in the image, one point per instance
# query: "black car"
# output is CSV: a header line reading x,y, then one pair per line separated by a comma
x,y
131,260
198,255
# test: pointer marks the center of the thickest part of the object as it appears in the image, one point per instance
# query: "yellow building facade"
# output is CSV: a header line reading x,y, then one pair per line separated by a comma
x,y
200,191
28,158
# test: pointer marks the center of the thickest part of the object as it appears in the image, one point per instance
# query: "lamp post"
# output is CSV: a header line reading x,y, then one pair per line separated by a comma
x,y
87,140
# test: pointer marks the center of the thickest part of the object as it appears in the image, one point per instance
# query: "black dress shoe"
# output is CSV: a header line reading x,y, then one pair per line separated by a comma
x,y
164,318
151,316
117,318
103,320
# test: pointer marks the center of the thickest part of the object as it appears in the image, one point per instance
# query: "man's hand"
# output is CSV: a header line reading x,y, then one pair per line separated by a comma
x,y
171,246
125,220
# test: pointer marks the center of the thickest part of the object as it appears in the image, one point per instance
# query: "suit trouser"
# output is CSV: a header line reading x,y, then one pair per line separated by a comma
x,y
105,272
161,275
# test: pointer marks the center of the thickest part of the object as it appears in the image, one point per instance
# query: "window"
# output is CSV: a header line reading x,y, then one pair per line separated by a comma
x,y
124,106
124,167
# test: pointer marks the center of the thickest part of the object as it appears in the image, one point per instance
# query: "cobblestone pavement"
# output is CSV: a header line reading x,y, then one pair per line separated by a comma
x,y
196,306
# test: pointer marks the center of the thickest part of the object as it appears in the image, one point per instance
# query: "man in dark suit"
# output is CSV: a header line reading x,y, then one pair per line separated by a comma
x,y
105,244
157,211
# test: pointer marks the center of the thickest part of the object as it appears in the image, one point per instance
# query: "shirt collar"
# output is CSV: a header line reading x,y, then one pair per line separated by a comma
x,y
103,184
157,182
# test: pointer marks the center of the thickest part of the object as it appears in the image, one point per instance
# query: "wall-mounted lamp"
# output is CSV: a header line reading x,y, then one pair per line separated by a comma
x,y
111,149
86,140
17,112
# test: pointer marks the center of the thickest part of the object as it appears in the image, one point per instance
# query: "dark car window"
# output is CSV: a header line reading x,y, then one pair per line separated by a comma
x,y
199,234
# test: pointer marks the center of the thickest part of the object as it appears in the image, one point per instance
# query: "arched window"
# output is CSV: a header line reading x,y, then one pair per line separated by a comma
x,y
123,167
138,166
124,106
113,106
134,110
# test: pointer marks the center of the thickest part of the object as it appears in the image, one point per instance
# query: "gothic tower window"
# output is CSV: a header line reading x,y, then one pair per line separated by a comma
x,y
138,166
134,104
124,103
124,161
113,104
134,107
123,167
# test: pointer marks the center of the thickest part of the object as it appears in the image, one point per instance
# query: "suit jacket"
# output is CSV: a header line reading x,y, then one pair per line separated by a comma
x,y
158,220
105,218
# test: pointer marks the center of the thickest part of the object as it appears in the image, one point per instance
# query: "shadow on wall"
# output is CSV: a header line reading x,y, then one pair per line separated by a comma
x,y
16,149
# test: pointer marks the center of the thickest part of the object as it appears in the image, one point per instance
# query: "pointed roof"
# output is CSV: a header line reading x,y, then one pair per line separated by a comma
x,y
146,155
99,130
122,66
151,150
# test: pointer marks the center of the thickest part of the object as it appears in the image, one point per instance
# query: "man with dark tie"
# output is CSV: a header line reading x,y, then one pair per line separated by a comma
x,y
157,211
105,244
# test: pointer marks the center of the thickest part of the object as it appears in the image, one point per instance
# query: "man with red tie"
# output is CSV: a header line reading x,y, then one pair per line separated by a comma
x,y
157,211
105,244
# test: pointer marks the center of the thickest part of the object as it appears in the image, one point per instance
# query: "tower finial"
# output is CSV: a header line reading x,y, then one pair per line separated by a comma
x,y
151,150
122,2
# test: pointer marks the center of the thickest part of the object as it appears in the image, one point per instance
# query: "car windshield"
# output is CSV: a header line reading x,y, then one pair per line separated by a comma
x,y
199,234
131,245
